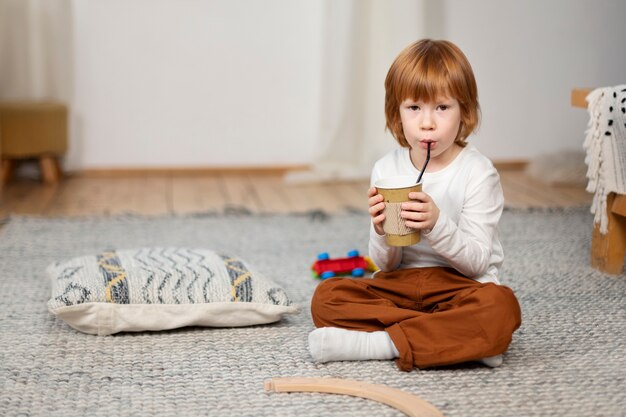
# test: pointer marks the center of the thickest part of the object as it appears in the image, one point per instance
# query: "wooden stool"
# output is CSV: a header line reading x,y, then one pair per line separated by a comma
x,y
607,251
33,130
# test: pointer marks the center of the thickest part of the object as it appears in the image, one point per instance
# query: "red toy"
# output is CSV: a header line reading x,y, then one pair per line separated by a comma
x,y
354,265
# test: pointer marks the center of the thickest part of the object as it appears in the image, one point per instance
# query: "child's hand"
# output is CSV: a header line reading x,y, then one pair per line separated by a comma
x,y
421,212
376,207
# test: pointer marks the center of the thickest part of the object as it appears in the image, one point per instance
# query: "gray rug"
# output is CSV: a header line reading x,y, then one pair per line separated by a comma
x,y
568,358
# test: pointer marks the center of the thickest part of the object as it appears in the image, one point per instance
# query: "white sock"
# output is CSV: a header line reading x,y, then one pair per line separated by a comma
x,y
491,361
334,344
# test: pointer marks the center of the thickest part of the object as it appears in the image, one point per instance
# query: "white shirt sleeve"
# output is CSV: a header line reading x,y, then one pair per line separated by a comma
x,y
467,245
386,257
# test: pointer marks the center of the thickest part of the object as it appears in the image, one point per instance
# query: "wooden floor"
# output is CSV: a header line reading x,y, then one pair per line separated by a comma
x,y
254,193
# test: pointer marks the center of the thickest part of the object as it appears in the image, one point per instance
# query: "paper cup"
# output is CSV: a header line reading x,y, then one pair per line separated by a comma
x,y
395,191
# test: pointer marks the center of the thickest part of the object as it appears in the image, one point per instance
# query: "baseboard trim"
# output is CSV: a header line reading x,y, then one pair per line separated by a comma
x,y
187,171
510,165
229,170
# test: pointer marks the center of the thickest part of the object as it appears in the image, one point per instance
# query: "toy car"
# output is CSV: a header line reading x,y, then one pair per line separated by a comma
x,y
354,265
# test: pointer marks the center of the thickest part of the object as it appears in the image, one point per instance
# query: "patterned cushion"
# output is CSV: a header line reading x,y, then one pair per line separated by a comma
x,y
162,288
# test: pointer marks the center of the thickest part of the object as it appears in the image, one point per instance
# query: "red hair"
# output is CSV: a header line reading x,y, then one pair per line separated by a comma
x,y
426,70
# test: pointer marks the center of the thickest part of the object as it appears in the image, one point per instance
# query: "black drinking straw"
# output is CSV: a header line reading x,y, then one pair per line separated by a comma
x,y
419,178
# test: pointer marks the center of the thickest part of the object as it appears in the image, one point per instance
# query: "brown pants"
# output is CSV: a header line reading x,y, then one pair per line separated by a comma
x,y
435,316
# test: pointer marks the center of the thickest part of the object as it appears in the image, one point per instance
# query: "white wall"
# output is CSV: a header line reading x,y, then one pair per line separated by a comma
x,y
527,56
194,83
190,83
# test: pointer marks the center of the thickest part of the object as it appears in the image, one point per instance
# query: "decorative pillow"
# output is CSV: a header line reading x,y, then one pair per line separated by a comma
x,y
162,288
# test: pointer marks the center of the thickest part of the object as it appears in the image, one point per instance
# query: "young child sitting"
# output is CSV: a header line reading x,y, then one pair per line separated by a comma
x,y
438,302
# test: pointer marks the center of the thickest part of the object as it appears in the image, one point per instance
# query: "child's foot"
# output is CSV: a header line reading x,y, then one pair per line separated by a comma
x,y
334,344
491,361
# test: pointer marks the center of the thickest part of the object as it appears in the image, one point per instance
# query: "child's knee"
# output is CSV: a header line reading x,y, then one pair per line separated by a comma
x,y
505,306
324,289
320,303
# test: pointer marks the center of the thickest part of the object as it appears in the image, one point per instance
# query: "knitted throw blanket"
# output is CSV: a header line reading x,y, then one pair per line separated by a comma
x,y
605,145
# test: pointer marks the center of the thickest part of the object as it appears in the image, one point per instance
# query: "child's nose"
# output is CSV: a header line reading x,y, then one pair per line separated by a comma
x,y
427,122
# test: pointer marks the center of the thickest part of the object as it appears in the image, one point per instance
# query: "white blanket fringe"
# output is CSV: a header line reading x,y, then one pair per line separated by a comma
x,y
605,144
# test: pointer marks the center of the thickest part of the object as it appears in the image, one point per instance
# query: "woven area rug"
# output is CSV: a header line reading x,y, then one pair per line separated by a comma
x,y
567,359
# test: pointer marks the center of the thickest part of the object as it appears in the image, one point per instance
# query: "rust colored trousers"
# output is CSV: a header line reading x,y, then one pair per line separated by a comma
x,y
435,316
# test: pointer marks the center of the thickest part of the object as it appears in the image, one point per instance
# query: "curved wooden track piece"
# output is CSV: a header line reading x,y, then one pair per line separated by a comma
x,y
409,404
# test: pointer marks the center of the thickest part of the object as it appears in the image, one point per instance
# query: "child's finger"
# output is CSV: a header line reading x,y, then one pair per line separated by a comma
x,y
375,200
421,196
376,208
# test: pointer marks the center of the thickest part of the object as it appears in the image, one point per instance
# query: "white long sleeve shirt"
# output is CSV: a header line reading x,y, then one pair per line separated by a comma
x,y
465,237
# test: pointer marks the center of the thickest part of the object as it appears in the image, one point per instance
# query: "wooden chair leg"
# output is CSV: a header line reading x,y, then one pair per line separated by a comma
x,y
6,170
50,171
607,251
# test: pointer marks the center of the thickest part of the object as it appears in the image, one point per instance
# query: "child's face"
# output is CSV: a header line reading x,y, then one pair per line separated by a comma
x,y
436,122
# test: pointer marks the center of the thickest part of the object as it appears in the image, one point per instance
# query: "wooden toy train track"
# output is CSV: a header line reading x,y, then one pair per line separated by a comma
x,y
409,404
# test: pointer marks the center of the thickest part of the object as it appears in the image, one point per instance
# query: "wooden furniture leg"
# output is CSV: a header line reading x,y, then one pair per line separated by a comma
x,y
409,404
607,251
50,171
6,171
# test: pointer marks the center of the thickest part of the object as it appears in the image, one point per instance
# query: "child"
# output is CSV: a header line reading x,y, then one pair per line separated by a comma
x,y
438,302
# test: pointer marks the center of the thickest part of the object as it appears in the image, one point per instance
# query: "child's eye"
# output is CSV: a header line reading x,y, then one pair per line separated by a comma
x,y
414,108
443,107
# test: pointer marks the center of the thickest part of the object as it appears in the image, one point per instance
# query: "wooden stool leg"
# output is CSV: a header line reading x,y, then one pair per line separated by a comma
x,y
607,251
6,171
50,171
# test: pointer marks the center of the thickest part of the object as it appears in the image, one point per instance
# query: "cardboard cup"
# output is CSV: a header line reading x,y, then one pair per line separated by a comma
x,y
395,191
